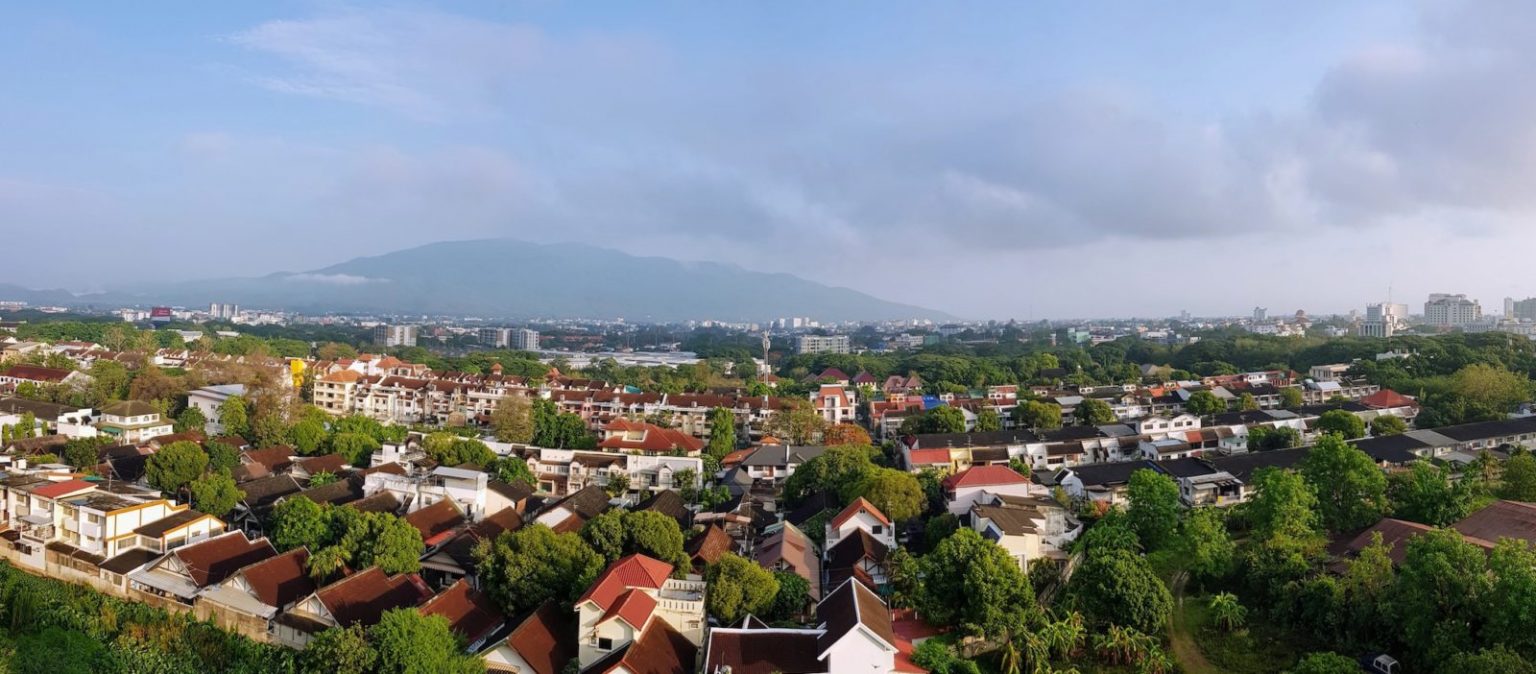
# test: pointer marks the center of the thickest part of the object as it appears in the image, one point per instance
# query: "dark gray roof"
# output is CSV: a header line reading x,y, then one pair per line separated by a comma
x,y
978,439
1186,467
1112,473
1243,466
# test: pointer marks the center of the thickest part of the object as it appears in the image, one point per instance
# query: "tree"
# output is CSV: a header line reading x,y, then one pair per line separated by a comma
x,y
321,479
896,493
190,419
1290,398
1118,587
1518,483
738,587
308,436
846,434
1265,438
722,433
1491,388
1388,424
512,469
1441,587
82,453
221,456
1351,489
59,651
512,420
216,493
269,430
175,465
1094,412
382,540
941,419
617,485
523,568
1037,415
1510,622
793,596
1326,663
1282,504
839,471
234,416
617,533
408,642
356,448
1227,613
1426,494
1247,403
1341,422
1204,403
337,650
988,420
1154,509
797,424
299,522
972,584
1204,544
1497,660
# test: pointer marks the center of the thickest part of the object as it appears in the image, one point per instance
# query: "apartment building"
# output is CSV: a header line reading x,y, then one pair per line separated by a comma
x,y
806,344
1446,310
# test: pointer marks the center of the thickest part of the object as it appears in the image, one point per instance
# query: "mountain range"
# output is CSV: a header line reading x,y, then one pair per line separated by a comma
x,y
505,278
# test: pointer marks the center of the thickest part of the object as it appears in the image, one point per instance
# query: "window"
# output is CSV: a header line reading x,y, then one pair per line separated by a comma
x,y
604,643
877,530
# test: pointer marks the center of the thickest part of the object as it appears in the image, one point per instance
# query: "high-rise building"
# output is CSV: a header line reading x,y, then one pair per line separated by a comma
x,y
823,344
496,338
1383,320
394,335
1509,307
524,339
1522,309
1446,310
1260,314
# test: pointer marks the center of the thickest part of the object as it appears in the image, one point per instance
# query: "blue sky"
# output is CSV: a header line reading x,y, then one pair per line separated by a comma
x,y
1027,159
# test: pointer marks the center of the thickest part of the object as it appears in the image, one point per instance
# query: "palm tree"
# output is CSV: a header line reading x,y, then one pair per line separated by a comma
x,y
1156,662
1011,661
1227,613
1118,645
1066,636
1038,651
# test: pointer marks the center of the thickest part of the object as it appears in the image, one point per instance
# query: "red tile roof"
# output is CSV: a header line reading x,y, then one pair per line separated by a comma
x,y
469,613
546,640
859,505
1386,399
281,580
660,650
653,438
217,558
435,519
984,476
363,597
37,373
64,488
626,573
928,457
634,607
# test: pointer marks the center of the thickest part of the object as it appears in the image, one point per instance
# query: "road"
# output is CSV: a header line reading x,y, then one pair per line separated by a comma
x,y
1180,639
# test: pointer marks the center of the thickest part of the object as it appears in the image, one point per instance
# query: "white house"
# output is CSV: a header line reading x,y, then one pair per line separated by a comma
x,y
963,489
132,422
630,597
854,633
1029,528
208,399
860,514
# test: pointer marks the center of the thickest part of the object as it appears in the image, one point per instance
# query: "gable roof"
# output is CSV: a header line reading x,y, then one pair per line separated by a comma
x,y
363,597
329,463
653,438
440,517
666,502
659,650
64,488
181,518
628,572
984,476
1387,398
1502,519
708,547
469,613
850,550
763,651
211,561
859,505
849,607
281,580
274,459
546,639
633,606
793,547
37,373
461,548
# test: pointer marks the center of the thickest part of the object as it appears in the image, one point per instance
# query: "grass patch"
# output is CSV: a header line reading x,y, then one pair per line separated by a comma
x,y
1261,648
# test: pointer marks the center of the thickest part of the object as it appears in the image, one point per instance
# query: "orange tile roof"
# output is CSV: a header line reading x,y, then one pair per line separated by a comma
x,y
626,573
859,504
984,476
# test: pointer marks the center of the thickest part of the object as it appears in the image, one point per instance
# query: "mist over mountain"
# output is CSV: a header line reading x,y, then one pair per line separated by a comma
x,y
516,279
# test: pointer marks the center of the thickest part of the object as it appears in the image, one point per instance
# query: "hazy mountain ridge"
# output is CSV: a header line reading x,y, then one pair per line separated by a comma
x,y
516,279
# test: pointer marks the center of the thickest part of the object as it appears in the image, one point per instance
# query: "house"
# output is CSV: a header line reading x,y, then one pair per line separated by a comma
x,y
565,471
859,555
1098,482
624,435
1201,483
249,600
1243,466
438,523
133,421
544,642
861,515
359,599
516,495
962,489
708,547
184,573
835,402
261,495
775,463
208,399
854,633
470,614
38,375
1167,449
951,452
573,512
456,558
633,599
789,549
1502,519
1028,527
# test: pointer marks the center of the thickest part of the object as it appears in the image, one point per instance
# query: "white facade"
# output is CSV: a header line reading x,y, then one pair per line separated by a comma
x,y
395,335
208,399
822,344
1447,310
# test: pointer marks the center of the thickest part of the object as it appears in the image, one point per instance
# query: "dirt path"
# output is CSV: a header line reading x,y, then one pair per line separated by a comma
x,y
1180,640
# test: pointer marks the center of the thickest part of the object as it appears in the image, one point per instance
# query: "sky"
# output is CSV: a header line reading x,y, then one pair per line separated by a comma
x,y
993,160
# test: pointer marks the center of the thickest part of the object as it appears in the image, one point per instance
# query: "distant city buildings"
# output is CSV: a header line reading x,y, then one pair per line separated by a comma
x,y
224,311
1383,320
822,344
395,335
1260,314
521,339
1524,310
1448,311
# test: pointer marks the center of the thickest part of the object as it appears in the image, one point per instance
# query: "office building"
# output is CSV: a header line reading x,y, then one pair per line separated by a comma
x,y
1520,309
1260,314
524,339
822,344
1446,310
394,335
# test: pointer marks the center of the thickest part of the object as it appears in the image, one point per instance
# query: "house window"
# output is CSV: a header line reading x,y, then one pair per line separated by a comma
x,y
604,643
877,530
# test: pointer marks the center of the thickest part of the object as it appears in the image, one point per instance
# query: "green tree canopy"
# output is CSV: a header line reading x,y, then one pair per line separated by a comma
x,y
234,416
1343,423
737,587
175,466
521,569
896,493
512,420
1351,489
1094,412
1326,663
1388,424
1155,507
1119,587
1518,482
215,493
1204,403
1037,415
408,642
1204,544
1426,494
337,650
972,584
190,419
840,471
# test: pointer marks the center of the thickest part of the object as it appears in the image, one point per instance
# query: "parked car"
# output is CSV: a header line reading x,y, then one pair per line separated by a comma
x,y
1380,663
